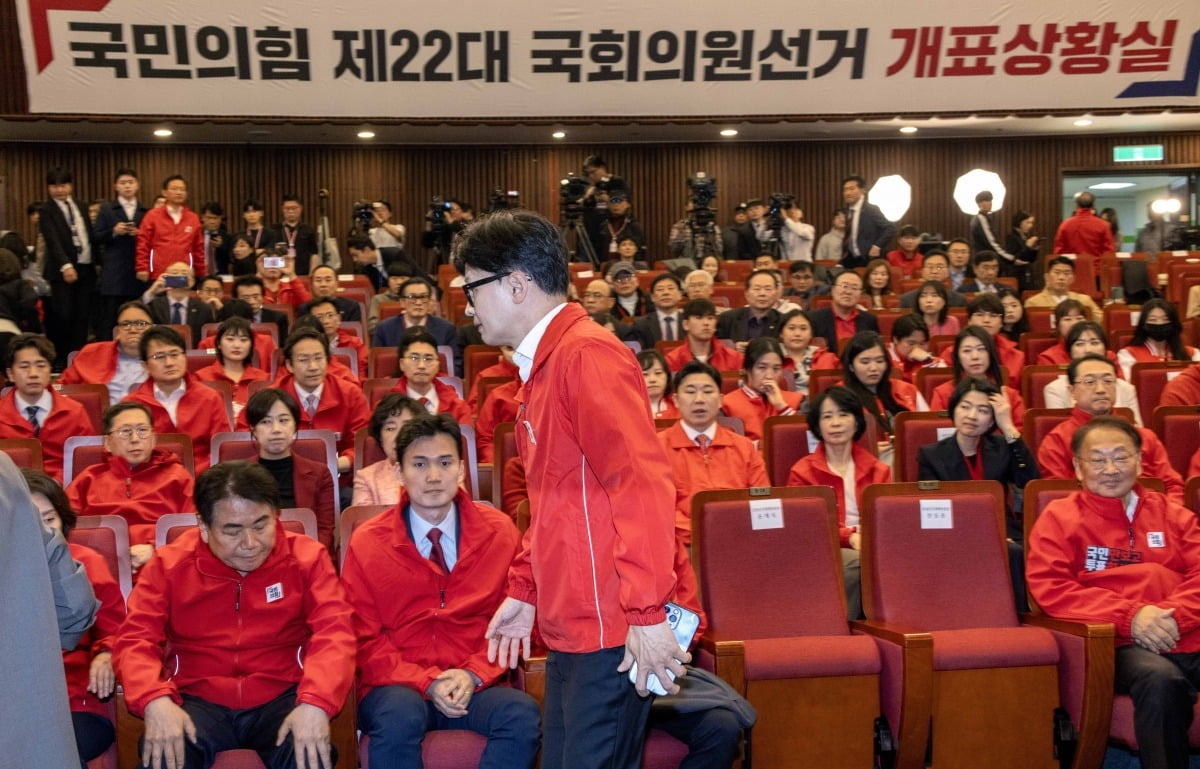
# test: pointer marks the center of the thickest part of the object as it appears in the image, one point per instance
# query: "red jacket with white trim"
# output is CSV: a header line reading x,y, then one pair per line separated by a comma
x,y
140,495
67,417
237,641
412,621
161,242
200,415
1086,561
598,554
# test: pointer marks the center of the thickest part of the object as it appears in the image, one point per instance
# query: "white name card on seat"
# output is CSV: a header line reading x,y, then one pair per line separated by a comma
x,y
345,278
936,514
944,432
585,274
1134,317
766,514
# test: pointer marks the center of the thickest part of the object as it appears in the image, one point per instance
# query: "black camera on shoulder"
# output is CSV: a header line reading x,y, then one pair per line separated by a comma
x,y
702,190
364,215
776,205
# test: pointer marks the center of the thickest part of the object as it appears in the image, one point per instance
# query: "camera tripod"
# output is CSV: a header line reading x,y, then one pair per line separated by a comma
x,y
583,244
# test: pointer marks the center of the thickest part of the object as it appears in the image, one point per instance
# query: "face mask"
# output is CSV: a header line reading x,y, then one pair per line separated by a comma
x,y
1159,332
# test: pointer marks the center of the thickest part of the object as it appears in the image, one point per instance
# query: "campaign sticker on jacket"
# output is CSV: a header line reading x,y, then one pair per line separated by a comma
x,y
274,592
1155,539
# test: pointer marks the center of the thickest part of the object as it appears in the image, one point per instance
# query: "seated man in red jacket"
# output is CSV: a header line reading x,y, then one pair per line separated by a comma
x,y
423,579
326,311
1092,382
33,409
1118,552
699,324
326,402
703,454
136,481
260,635
117,364
418,362
176,400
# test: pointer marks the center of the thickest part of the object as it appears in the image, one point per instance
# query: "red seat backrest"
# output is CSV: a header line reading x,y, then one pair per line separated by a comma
x,y
1034,343
915,574
1033,384
736,560
93,398
915,429
1150,379
24,452
1179,429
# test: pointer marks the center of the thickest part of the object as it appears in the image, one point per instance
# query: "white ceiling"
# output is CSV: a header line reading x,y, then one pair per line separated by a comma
x,y
193,130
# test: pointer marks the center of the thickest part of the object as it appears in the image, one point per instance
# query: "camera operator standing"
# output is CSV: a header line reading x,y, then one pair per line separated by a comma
x,y
610,220
697,234
785,223
442,224
383,233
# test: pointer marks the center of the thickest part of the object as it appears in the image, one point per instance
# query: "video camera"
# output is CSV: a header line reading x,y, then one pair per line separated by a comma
x,y
570,194
437,213
702,190
778,203
503,199
364,215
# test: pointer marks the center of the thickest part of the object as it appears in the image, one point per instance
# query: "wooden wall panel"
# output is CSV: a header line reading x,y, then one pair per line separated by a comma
x,y
408,176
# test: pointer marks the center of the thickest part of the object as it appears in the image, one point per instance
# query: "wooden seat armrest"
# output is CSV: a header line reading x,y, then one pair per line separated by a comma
x,y
729,659
1070,627
902,635
916,686
531,678
1092,713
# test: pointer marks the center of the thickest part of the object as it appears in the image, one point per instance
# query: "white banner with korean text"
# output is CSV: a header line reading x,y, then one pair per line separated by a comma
x,y
619,58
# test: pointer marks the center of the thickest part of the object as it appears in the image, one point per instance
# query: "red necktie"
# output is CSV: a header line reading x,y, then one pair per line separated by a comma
x,y
702,441
435,553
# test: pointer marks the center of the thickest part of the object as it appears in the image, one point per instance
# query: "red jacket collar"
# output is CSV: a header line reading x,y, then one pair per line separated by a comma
x,y
119,466
473,529
208,563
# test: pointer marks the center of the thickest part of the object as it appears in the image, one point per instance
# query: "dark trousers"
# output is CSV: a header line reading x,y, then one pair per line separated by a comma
x,y
1163,688
396,719
593,718
69,310
94,734
219,729
712,736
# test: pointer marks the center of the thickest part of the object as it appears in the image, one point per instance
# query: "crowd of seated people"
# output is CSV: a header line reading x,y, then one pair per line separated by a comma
x,y
845,348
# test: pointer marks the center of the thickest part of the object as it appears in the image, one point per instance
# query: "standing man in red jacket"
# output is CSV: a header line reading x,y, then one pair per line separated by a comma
x,y
596,563
170,233
1084,232
424,579
259,631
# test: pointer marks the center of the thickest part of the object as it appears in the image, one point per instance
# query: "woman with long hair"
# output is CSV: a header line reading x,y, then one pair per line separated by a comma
x,y
867,370
1015,321
877,284
1158,336
801,356
974,356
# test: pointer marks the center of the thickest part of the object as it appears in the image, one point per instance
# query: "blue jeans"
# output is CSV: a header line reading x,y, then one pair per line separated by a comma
x,y
396,718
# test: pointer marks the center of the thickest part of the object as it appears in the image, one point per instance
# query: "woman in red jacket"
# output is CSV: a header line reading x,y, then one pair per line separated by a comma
x,y
801,356
235,341
837,420
88,667
658,384
273,416
975,355
868,374
761,395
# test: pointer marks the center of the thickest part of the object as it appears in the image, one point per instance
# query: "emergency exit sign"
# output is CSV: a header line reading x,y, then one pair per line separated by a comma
x,y
1137,153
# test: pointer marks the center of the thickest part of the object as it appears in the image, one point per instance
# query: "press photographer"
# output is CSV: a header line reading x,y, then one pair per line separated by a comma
x,y
785,227
697,234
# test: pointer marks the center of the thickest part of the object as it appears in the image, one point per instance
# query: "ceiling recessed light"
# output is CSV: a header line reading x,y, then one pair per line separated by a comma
x,y
908,129
1082,123
729,132
1112,186
559,134
366,134
163,132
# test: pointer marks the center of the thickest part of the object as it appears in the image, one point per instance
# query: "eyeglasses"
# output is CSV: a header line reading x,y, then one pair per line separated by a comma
x,y
624,277
1099,463
1091,381
128,324
415,297
415,358
125,433
173,355
469,288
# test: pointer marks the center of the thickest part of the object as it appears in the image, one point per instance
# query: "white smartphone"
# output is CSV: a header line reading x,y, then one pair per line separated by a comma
x,y
684,623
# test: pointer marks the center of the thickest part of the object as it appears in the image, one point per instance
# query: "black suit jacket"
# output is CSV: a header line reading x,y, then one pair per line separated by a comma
x,y
118,277
197,313
1002,461
648,329
823,325
735,324
874,229
279,319
60,244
